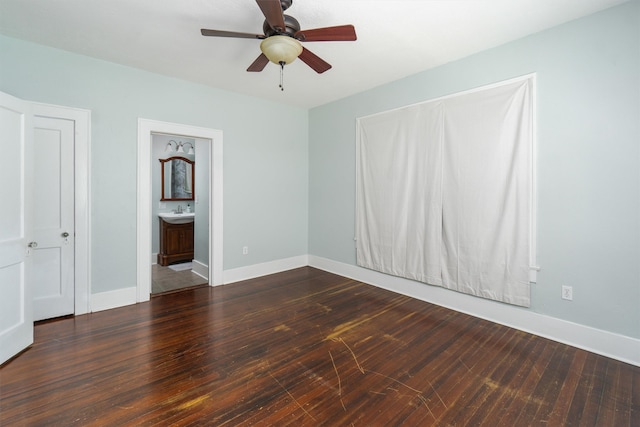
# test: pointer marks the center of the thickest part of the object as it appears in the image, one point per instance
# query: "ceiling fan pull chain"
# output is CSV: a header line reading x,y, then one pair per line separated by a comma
x,y
282,75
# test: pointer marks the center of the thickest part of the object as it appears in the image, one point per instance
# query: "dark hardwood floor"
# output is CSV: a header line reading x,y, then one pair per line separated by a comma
x,y
306,347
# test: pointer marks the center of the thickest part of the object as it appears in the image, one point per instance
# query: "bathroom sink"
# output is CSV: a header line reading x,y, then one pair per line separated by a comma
x,y
177,218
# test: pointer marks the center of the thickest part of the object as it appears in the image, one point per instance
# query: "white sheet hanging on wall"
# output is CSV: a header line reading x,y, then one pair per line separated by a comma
x,y
399,193
444,192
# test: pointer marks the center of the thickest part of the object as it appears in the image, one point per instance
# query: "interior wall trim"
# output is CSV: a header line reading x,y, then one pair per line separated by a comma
x,y
263,269
200,269
128,296
113,299
609,344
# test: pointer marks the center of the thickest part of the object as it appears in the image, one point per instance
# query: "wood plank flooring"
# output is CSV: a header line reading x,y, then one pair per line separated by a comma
x,y
306,348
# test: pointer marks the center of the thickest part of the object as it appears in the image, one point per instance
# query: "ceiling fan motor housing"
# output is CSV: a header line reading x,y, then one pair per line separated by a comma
x,y
292,26
286,4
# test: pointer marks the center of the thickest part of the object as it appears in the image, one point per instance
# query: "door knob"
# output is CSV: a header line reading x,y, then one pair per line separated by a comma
x,y
33,245
65,234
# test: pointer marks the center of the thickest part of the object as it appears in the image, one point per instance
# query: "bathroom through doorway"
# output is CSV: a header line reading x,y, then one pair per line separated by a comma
x,y
180,212
153,138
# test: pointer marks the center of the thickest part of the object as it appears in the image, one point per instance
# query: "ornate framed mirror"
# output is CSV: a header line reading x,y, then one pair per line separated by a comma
x,y
177,175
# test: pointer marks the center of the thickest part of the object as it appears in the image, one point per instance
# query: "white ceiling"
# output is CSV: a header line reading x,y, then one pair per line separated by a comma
x,y
396,38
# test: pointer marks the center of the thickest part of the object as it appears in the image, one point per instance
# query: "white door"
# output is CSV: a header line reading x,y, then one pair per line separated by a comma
x,y
16,316
52,280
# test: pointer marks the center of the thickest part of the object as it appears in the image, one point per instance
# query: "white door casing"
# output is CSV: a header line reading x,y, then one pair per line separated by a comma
x,y
81,200
16,316
53,227
145,129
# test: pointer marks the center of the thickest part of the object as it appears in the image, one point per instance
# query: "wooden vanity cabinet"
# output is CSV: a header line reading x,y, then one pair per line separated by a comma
x,y
176,243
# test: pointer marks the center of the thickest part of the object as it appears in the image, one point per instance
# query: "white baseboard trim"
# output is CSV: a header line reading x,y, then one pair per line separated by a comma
x,y
615,346
263,269
113,299
154,258
200,269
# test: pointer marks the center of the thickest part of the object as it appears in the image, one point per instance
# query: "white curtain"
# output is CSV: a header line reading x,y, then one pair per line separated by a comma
x,y
444,192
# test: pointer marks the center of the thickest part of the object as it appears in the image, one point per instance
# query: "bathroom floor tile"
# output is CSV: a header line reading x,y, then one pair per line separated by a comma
x,y
164,279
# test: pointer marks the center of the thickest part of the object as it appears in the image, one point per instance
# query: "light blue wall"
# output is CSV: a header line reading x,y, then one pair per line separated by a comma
x,y
265,167
588,160
289,193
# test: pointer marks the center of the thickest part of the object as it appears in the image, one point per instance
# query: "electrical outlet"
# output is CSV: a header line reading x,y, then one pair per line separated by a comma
x,y
567,293
245,250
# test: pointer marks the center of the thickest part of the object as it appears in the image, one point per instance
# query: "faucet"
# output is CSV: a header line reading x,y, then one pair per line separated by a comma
x,y
179,209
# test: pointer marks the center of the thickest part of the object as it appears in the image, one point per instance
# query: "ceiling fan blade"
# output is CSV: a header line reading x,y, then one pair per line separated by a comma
x,y
259,64
272,11
218,33
328,34
318,64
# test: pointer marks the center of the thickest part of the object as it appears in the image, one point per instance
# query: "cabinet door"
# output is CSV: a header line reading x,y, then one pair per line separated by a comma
x,y
172,239
179,238
186,238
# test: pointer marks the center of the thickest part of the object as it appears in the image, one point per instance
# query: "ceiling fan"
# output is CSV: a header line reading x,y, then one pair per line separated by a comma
x,y
282,37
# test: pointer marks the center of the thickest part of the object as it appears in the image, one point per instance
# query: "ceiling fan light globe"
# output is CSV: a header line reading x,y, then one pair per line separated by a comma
x,y
281,49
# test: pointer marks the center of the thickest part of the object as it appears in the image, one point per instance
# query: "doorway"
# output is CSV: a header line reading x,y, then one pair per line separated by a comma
x,y
146,131
60,253
180,183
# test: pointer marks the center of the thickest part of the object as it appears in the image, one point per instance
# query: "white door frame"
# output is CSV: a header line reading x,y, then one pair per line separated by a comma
x,y
82,196
145,129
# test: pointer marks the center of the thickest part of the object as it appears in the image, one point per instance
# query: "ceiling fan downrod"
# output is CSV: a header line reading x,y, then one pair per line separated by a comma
x,y
282,63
